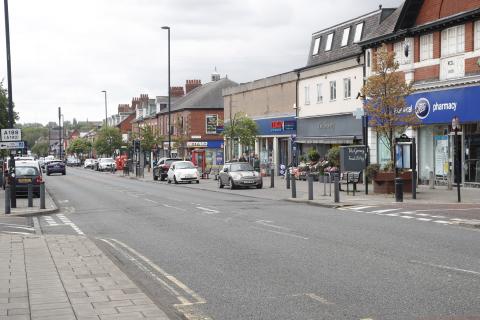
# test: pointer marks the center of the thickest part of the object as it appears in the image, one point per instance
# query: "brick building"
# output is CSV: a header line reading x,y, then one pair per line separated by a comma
x,y
437,44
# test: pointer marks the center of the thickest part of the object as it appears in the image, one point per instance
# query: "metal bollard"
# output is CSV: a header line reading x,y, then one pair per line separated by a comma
x,y
42,195
414,185
324,185
336,188
431,180
398,190
272,178
13,194
329,185
310,187
294,187
30,195
287,177
7,199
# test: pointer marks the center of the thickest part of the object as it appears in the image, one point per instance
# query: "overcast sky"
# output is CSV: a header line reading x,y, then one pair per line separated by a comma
x,y
65,52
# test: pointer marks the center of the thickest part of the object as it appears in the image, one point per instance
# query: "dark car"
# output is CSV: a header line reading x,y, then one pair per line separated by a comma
x,y
26,174
161,169
239,174
55,166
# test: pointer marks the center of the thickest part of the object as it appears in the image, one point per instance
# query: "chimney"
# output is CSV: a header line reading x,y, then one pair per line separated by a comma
x,y
192,84
176,92
124,108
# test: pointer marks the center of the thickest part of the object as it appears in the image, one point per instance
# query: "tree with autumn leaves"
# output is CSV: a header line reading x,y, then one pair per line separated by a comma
x,y
385,105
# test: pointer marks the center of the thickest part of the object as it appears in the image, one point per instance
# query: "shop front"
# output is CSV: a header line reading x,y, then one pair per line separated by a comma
x,y
208,153
273,145
321,133
436,109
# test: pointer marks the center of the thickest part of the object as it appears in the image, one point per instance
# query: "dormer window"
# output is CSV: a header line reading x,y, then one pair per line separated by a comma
x,y
346,33
358,32
328,45
316,46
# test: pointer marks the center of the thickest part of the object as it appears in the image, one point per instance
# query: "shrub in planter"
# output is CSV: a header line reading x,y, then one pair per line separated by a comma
x,y
333,156
313,155
372,170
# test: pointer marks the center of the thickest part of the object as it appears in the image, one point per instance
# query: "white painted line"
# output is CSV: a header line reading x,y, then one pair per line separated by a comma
x,y
14,232
17,226
407,212
438,217
268,224
391,214
279,232
446,267
360,208
453,209
407,217
208,211
318,298
385,210
68,222
172,207
423,215
151,201
442,222
424,219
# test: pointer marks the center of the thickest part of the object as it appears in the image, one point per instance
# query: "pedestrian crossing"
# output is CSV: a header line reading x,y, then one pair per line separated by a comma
x,y
404,214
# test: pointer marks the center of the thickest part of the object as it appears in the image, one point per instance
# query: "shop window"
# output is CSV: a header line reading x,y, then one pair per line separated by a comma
x,y
426,47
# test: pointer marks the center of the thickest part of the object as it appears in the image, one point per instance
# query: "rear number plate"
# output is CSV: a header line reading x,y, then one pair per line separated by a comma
x,y
24,180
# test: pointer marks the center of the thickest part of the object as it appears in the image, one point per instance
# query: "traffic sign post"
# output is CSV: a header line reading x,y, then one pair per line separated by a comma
x,y
11,134
11,145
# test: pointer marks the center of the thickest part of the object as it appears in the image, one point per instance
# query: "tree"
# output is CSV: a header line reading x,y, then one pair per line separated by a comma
x,y
32,132
79,146
241,128
385,105
108,140
40,148
149,137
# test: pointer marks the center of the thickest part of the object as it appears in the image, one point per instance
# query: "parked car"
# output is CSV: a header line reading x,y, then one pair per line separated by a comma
x,y
239,174
55,166
89,163
161,169
73,162
27,172
183,171
106,164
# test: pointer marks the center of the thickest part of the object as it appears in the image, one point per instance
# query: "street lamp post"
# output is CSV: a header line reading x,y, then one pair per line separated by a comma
x,y
456,152
105,92
60,132
169,96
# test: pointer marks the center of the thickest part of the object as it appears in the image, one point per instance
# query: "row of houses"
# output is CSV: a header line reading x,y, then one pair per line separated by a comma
x,y
437,45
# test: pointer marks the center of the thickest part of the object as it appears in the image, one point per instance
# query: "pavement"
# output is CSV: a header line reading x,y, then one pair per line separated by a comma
x,y
22,208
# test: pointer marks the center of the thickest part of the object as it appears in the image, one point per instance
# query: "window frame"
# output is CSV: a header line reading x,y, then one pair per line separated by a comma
x,y
449,48
347,88
316,46
345,36
329,43
426,40
307,95
358,34
476,35
333,90
319,93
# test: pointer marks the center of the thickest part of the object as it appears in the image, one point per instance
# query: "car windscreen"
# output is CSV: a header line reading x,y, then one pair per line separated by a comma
x,y
26,171
108,160
184,165
170,161
241,167
55,162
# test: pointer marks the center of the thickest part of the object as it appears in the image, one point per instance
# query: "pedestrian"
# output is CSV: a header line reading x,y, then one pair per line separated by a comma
x,y
242,158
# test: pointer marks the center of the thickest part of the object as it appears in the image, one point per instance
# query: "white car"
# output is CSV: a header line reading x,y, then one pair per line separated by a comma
x,y
106,164
183,171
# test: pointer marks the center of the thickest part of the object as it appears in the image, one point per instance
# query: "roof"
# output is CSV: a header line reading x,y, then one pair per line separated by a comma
x,y
206,96
386,27
370,21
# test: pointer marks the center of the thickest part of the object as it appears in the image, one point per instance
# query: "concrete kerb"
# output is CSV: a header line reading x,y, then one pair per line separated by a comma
x,y
320,204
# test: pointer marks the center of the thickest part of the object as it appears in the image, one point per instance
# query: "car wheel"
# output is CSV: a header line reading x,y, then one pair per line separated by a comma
x,y
155,178
64,173
260,186
162,178
169,181
232,186
198,181
175,180
220,184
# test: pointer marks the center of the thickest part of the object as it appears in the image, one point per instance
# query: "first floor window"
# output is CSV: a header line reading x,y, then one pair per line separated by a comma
x,y
333,90
319,93
347,88
426,47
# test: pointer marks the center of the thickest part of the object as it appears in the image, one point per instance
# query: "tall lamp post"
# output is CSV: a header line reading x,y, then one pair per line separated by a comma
x,y
456,152
169,96
106,123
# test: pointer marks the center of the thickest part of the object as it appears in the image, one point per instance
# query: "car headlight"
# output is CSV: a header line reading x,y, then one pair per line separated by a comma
x,y
236,176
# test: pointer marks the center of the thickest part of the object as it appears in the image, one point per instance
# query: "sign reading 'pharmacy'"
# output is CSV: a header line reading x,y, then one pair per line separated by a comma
x,y
11,134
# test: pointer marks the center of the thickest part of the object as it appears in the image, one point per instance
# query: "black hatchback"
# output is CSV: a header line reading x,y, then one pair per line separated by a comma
x,y
55,166
25,175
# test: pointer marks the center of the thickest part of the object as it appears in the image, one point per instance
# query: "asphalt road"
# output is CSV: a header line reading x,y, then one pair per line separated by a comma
x,y
216,255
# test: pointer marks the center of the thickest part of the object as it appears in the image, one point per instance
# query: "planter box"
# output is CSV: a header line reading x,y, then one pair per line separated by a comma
x,y
384,182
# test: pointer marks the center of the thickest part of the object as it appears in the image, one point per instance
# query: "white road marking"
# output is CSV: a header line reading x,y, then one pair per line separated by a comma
x,y
268,224
391,214
442,222
318,298
407,212
15,232
446,267
169,206
279,232
62,201
68,222
407,217
423,215
208,211
50,221
453,209
438,217
424,219
385,210
360,208
151,201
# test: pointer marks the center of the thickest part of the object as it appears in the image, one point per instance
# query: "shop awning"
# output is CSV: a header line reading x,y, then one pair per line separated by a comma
x,y
327,140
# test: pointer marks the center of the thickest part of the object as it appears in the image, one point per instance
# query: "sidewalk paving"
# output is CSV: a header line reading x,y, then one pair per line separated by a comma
x,y
65,277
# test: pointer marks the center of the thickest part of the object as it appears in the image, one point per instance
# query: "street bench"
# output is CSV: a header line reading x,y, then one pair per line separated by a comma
x,y
350,177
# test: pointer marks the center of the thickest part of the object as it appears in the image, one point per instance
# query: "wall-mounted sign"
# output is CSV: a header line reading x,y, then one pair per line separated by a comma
x,y
211,122
220,129
196,137
11,134
289,125
194,144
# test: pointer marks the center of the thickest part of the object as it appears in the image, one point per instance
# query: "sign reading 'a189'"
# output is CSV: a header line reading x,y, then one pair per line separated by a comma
x,y
11,134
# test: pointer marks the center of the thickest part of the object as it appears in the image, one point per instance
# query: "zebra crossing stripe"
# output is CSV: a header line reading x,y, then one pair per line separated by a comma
x,y
424,219
360,208
407,217
385,210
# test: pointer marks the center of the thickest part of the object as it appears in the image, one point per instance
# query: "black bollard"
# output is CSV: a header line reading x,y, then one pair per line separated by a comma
x,y
287,177
42,195
336,189
310,187
398,190
414,184
272,178
7,199
13,193
294,187
30,195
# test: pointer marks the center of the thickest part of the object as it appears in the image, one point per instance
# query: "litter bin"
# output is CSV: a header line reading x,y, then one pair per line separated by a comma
x,y
398,190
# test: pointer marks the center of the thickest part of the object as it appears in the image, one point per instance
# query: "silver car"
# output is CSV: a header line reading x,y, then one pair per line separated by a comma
x,y
239,174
